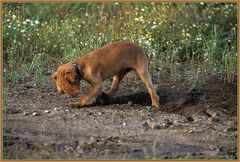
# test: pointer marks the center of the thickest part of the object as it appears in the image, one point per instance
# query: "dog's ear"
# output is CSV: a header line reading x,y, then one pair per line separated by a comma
x,y
69,75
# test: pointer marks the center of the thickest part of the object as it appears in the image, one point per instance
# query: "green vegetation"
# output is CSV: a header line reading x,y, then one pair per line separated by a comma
x,y
200,35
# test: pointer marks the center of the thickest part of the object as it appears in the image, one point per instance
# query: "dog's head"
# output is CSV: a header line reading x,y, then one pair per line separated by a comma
x,y
66,80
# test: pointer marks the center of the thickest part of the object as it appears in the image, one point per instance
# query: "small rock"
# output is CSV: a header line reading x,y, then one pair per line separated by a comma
x,y
197,117
230,129
145,124
196,130
130,103
212,147
191,130
180,121
153,125
55,108
168,122
67,110
76,114
99,113
35,114
124,124
30,85
212,113
214,119
39,97
89,113
26,113
157,125
46,111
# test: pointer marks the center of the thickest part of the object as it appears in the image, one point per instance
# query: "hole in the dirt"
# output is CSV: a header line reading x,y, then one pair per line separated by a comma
x,y
190,119
137,98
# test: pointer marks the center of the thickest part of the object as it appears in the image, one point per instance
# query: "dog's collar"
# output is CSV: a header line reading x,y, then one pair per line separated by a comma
x,y
79,74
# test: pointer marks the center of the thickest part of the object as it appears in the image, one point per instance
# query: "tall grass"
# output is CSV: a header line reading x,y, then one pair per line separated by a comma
x,y
171,33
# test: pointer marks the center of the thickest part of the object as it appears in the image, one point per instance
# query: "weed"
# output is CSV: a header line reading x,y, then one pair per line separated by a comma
x,y
170,33
149,110
195,78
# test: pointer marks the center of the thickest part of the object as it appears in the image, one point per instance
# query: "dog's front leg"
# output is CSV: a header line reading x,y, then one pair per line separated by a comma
x,y
92,92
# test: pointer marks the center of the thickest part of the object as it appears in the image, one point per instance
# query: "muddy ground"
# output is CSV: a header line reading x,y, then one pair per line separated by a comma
x,y
38,124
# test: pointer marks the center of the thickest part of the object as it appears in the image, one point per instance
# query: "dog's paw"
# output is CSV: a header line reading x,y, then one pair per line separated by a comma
x,y
75,105
155,108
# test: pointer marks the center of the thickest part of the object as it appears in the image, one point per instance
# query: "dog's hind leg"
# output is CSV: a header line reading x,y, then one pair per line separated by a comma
x,y
143,73
116,81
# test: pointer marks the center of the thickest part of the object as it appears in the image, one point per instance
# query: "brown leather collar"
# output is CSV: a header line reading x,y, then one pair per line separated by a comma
x,y
79,74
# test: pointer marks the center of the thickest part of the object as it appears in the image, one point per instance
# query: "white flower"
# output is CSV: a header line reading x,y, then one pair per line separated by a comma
x,y
14,16
142,9
24,22
7,33
22,31
27,20
8,20
37,22
86,14
136,19
153,27
198,38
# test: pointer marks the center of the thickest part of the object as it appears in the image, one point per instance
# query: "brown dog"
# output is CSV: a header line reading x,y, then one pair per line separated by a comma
x,y
113,60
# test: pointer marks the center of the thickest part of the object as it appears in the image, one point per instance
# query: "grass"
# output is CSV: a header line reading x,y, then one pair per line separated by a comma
x,y
171,34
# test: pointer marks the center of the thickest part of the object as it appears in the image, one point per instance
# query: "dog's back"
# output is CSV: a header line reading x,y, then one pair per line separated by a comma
x,y
116,56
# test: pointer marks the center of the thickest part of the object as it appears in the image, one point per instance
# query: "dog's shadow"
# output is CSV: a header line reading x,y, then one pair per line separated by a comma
x,y
141,98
